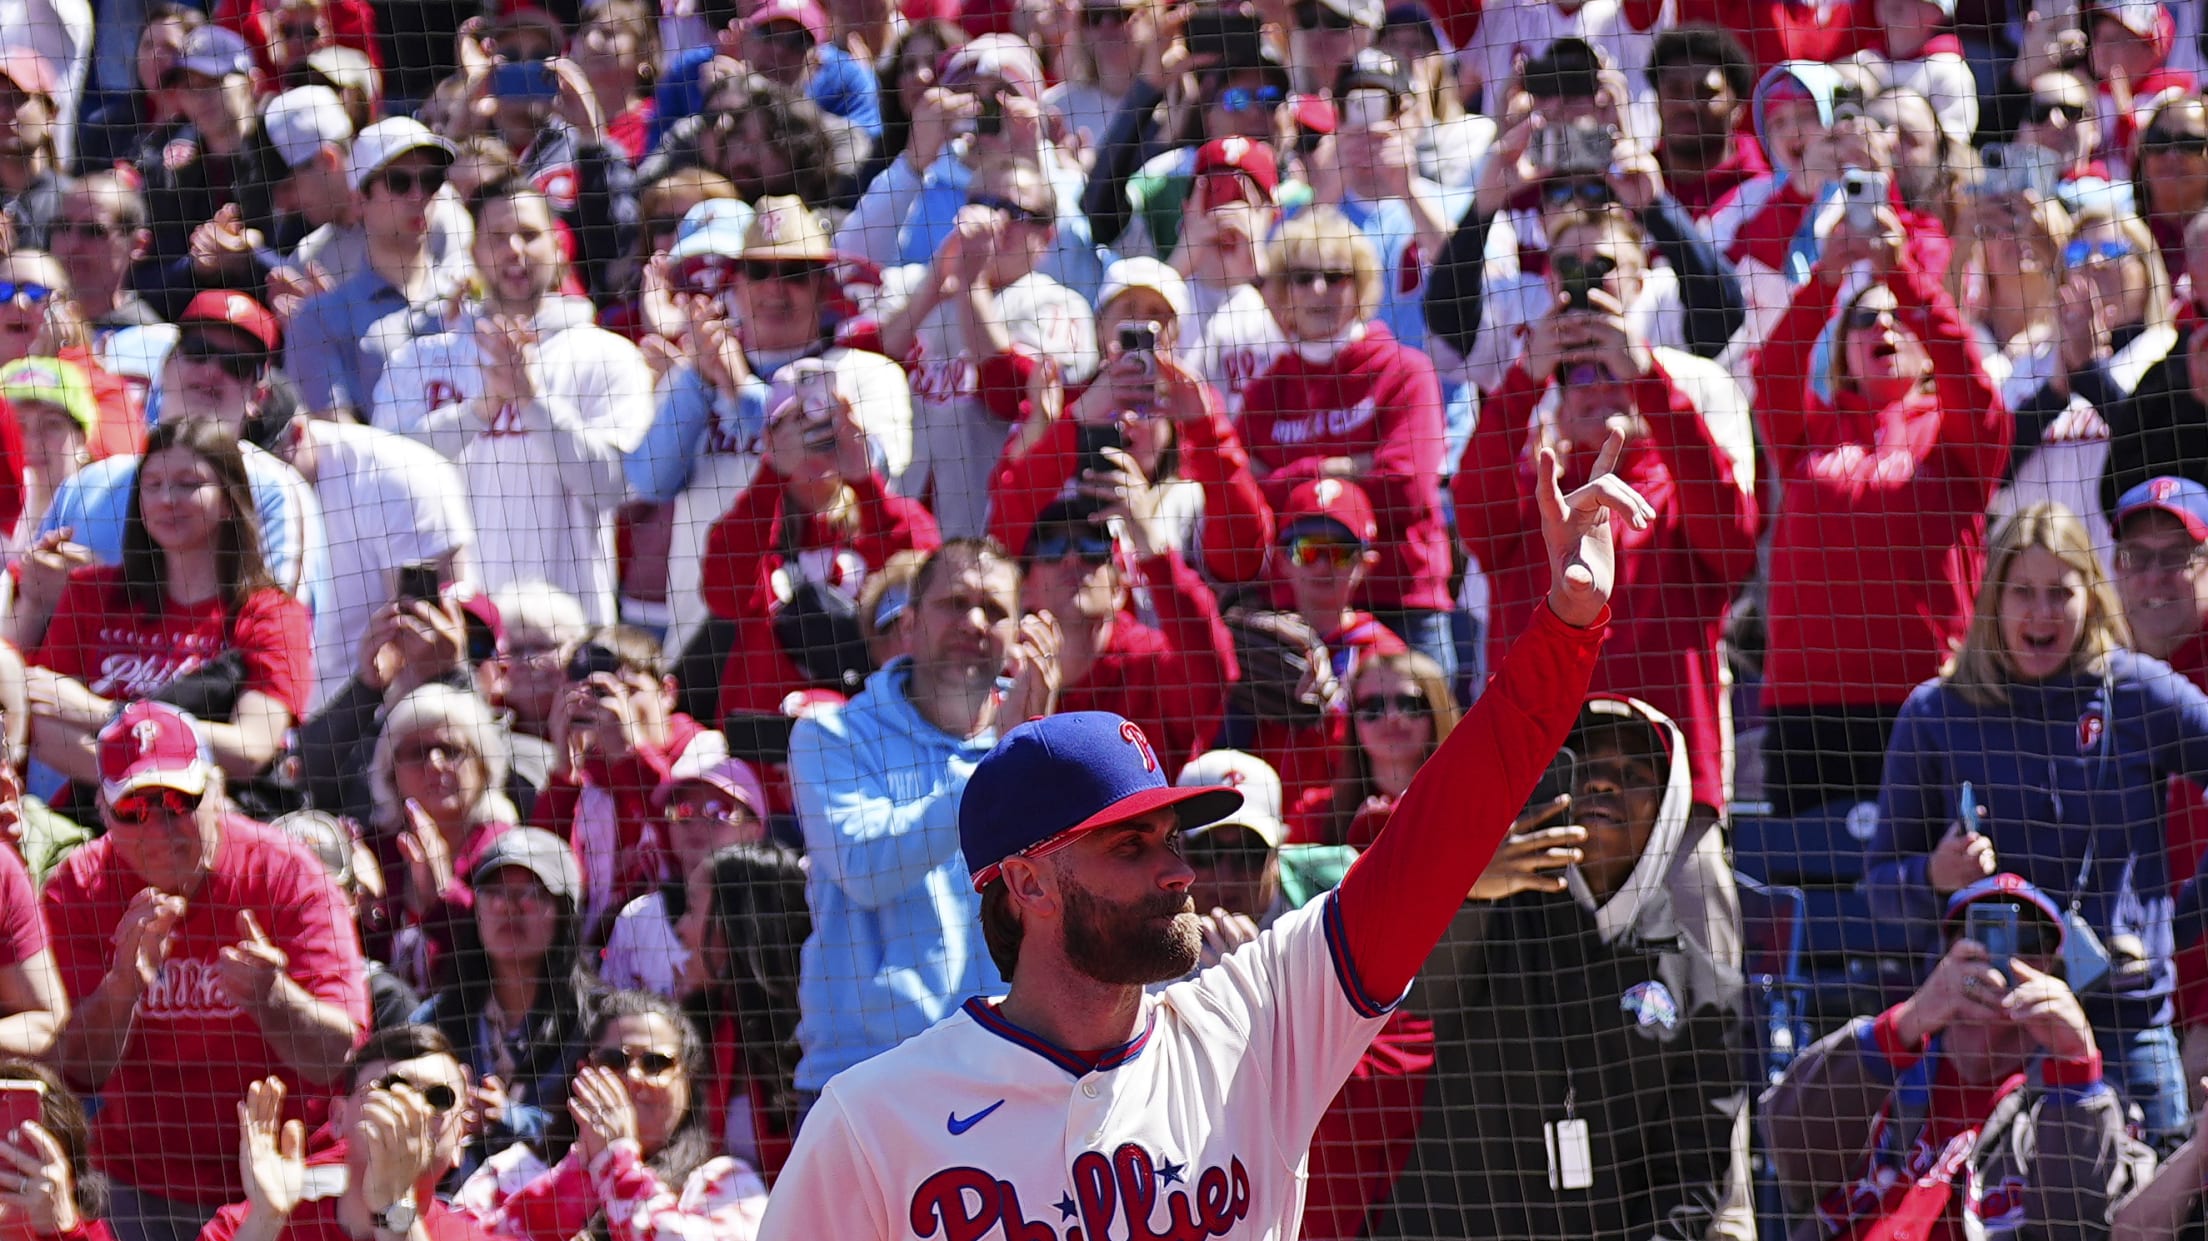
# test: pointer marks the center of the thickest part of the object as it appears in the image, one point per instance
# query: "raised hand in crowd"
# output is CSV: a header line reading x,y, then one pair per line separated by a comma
x,y
935,121
1635,177
1964,856
509,348
398,1136
42,573
1845,247
1964,985
409,643
1035,671
144,937
251,971
603,1112
428,857
1132,504
1534,856
222,247
1509,167
271,1160
38,1186
1224,931
715,349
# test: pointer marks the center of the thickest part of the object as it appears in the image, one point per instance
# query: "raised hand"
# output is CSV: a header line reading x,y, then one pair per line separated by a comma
x,y
251,969
1034,689
2045,1005
271,1151
145,935
42,1185
603,1112
1223,933
1576,527
429,869
1963,857
1532,860
1963,985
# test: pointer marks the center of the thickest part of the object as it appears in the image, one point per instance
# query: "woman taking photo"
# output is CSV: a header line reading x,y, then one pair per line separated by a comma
x,y
190,617
2171,184
1887,441
816,519
1401,710
634,1157
48,1190
517,992
744,922
2066,742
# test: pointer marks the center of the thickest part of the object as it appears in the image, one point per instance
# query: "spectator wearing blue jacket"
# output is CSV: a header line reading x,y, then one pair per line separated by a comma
x,y
896,942
2068,741
783,40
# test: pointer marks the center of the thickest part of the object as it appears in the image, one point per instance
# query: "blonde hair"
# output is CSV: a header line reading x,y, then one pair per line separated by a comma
x,y
1354,784
1979,670
1322,237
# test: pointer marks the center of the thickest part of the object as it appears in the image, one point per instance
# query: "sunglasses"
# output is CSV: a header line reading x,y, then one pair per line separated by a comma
x,y
1243,99
199,347
35,294
2044,110
438,1095
2172,140
720,809
1373,706
1587,193
653,1064
1018,211
1310,16
140,809
400,182
2080,253
1094,548
1314,548
1316,277
783,269
1864,318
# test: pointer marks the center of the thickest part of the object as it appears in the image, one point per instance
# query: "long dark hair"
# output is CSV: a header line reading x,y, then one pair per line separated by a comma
x,y
63,1116
691,1144
758,907
239,566
896,125
568,995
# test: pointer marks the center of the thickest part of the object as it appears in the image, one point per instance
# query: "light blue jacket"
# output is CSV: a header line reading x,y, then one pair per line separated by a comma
x,y
896,943
693,419
903,217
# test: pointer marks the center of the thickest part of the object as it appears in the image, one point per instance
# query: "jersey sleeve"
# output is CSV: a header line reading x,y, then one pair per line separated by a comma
x,y
22,924
274,635
1294,995
829,1187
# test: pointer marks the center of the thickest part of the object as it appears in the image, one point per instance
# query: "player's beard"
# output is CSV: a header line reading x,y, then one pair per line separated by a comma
x,y
1152,940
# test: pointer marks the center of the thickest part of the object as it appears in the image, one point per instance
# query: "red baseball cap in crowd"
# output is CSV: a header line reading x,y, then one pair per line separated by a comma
x,y
804,12
1237,154
2007,888
230,308
2181,498
152,745
1331,499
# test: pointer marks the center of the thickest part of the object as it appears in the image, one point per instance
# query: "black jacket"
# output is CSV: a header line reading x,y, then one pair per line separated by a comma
x,y
2159,429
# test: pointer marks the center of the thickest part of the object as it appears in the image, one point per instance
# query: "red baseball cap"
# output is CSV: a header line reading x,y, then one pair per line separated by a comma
x,y
31,72
231,308
804,12
152,745
1236,154
1331,499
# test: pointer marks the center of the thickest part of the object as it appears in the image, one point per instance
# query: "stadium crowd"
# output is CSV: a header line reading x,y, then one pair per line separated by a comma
x,y
522,519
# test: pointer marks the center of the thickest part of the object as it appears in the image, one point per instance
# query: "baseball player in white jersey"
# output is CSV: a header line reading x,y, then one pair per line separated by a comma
x,y
1081,1108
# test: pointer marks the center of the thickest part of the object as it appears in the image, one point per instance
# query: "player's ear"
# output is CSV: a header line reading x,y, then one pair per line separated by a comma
x,y
1025,883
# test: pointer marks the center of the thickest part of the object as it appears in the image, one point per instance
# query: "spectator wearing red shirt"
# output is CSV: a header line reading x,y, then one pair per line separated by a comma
x,y
1585,376
817,512
2161,574
191,936
616,737
1703,78
60,1200
190,616
1887,442
399,1129
32,1004
1774,30
1153,407
1327,532
1085,564
1348,400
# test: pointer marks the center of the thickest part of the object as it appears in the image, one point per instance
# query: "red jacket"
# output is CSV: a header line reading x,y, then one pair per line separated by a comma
x,y
1675,579
743,556
1237,527
1880,537
1307,757
1377,397
1700,191
1768,235
630,782
1171,680
1772,30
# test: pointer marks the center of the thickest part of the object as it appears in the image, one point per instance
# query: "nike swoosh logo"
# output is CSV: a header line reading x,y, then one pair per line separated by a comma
x,y
958,1126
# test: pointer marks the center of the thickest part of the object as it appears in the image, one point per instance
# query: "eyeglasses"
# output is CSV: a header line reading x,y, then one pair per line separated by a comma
x,y
1316,277
2043,111
437,1095
783,269
1242,98
1587,192
199,347
137,810
400,182
655,1065
1312,549
1020,212
1314,16
2080,253
35,294
1864,318
2134,558
83,230
1373,706
1094,547
2174,140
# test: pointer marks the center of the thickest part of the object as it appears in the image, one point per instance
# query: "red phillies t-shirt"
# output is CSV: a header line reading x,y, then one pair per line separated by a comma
x,y
22,930
168,1123
98,637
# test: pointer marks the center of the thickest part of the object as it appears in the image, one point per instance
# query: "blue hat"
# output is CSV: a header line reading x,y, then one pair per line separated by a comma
x,y
1050,780
2005,887
2181,498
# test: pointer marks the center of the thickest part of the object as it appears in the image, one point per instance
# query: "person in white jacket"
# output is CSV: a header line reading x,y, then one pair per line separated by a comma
x,y
535,404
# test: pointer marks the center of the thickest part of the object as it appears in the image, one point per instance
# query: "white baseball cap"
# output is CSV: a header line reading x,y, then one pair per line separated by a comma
x,y
1143,272
386,140
1254,778
303,120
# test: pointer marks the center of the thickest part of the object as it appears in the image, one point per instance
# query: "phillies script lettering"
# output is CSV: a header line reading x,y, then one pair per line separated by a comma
x,y
1112,1198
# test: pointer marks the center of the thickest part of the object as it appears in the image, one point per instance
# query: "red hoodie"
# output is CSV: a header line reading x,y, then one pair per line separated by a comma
x,y
1675,579
1237,527
1771,30
1377,397
1171,680
1700,192
743,556
630,782
1768,235
1881,532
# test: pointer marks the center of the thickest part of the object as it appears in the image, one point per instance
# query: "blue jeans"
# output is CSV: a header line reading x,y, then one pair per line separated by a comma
x,y
1426,631
2144,1066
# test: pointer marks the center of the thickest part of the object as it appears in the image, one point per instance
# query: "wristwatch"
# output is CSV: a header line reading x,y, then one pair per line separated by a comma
x,y
398,1218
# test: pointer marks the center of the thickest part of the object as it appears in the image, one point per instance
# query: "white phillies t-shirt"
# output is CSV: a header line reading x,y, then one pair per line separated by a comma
x,y
1199,1127
1237,339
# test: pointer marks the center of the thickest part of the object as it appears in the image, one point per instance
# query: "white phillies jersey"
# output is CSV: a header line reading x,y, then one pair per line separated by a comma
x,y
1198,1128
